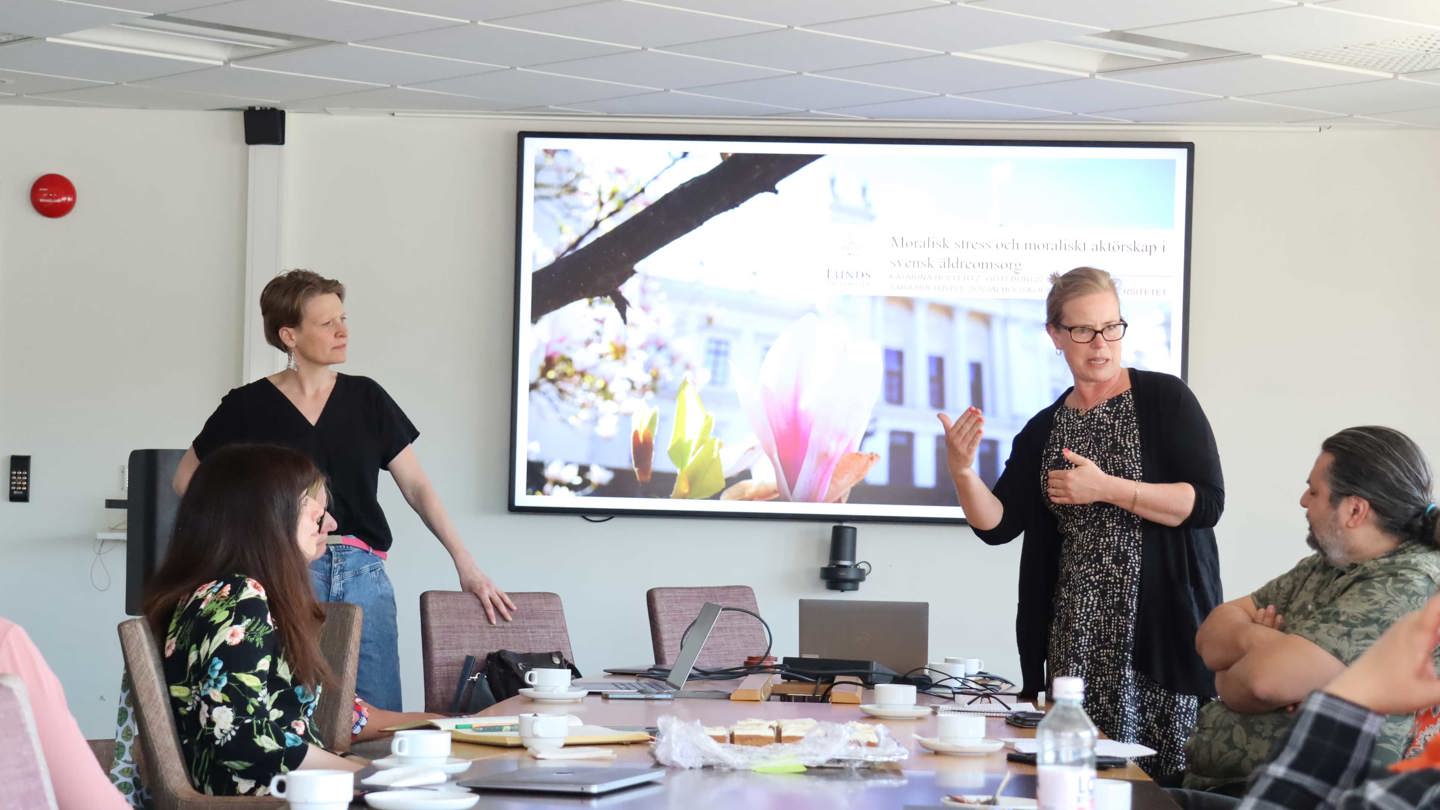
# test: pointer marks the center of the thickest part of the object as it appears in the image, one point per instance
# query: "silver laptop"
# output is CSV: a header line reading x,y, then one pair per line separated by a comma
x,y
674,683
896,634
589,780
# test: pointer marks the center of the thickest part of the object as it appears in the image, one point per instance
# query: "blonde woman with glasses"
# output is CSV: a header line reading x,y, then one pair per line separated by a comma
x,y
1116,487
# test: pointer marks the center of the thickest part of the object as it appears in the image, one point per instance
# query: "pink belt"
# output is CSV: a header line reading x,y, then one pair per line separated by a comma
x,y
355,542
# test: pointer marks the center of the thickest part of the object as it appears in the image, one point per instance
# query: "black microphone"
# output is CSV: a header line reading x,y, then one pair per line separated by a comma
x,y
844,573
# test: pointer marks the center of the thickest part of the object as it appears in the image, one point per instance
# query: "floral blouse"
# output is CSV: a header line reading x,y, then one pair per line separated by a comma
x,y
242,719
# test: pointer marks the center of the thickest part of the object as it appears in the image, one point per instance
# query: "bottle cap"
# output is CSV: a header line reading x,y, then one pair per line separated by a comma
x,y
1067,688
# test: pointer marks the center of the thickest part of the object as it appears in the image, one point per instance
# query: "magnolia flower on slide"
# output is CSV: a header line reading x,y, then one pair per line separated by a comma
x,y
695,452
642,441
817,388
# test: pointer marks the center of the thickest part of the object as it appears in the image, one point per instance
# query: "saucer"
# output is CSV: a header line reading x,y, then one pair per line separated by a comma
x,y
984,800
452,765
959,748
568,696
895,712
421,799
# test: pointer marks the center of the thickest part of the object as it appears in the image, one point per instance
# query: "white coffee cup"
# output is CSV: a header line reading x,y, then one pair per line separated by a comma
x,y
1112,794
548,680
544,732
315,789
950,669
974,666
960,727
421,746
894,695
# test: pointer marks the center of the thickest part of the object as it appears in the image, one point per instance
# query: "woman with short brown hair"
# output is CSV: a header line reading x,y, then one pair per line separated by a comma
x,y
352,429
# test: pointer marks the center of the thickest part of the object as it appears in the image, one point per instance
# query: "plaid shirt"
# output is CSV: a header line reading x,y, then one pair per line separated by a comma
x,y
1324,763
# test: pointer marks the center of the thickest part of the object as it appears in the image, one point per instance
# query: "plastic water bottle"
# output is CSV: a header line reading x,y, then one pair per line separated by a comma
x,y
1065,765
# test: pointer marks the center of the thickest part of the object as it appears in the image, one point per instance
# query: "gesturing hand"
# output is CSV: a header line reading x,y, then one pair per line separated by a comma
x,y
1083,483
1397,674
962,437
493,599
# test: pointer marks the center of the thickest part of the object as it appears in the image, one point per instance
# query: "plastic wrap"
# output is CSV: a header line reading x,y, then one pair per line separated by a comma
x,y
684,744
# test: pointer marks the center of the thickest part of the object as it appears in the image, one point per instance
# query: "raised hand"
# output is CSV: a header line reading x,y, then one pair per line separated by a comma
x,y
962,438
1083,483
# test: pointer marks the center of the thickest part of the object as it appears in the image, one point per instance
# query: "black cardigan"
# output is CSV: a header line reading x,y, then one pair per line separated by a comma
x,y
1179,569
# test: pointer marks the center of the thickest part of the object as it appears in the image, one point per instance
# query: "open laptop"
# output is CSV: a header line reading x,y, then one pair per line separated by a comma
x,y
896,634
674,683
584,780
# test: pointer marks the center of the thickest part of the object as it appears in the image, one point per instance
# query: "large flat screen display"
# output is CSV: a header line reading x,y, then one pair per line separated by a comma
x,y
768,327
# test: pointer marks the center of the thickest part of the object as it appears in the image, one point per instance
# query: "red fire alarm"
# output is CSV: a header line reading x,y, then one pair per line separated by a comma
x,y
53,195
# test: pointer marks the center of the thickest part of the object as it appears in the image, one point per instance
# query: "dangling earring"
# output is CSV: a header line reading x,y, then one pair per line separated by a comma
x,y
1059,352
290,360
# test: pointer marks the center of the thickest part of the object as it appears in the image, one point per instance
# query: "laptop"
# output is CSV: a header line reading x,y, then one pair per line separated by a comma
x,y
589,781
674,683
896,634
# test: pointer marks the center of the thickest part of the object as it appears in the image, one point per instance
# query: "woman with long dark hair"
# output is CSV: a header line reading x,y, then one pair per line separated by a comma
x,y
235,606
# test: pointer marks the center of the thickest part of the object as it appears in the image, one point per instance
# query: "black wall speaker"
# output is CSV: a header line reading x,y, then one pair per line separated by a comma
x,y
264,126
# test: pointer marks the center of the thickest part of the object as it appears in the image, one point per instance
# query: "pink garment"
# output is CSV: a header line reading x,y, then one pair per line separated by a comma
x,y
79,782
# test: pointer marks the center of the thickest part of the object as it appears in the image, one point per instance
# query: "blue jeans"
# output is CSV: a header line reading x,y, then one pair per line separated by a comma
x,y
354,575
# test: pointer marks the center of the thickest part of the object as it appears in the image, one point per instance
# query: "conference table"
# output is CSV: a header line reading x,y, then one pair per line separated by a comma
x,y
919,781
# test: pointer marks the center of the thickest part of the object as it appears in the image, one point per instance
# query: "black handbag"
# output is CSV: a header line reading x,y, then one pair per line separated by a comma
x,y
500,676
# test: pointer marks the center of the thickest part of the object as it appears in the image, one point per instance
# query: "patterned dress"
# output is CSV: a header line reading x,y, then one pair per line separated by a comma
x,y
1092,634
242,718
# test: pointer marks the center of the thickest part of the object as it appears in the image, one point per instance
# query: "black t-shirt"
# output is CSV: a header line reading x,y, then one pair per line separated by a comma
x,y
360,430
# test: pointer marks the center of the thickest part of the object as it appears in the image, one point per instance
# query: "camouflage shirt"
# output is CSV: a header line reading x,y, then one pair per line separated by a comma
x,y
1342,611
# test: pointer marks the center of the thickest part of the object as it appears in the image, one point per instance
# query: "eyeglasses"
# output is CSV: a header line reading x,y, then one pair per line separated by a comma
x,y
1086,334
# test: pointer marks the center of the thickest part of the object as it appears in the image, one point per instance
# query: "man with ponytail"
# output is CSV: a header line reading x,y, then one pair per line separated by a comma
x,y
1372,526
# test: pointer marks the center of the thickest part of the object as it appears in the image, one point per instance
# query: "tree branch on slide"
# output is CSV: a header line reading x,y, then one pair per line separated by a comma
x,y
599,268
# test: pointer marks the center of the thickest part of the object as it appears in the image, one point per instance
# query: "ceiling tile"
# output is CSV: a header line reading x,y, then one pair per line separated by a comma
x,y
477,10
56,59
1118,15
948,73
20,83
672,70
158,6
802,12
1086,95
1364,122
675,103
1365,98
1285,30
47,18
809,92
396,99
635,24
955,28
496,45
37,101
1416,11
1240,76
793,49
319,19
135,96
251,83
1219,110
526,88
1428,117
945,108
363,64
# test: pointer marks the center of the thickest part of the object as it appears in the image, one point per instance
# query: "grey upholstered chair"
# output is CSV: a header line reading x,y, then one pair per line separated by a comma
x,y
453,625
735,637
25,779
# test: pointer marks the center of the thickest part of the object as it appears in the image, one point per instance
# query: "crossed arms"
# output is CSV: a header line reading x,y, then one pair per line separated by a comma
x,y
1258,666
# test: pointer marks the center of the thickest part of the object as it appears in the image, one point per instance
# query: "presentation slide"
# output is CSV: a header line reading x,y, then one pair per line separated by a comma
x,y
768,327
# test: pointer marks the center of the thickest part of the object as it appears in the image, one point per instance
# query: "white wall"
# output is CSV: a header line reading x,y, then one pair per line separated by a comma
x,y
1311,310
